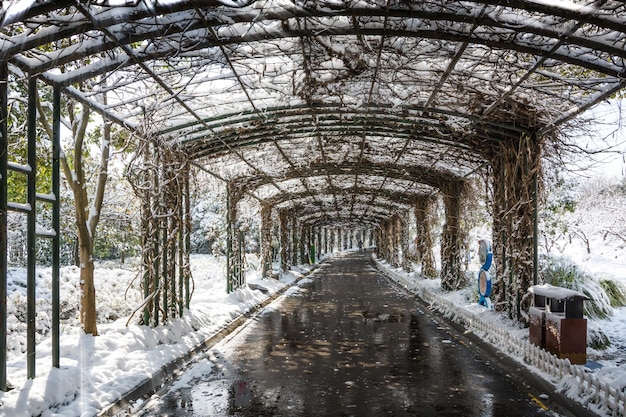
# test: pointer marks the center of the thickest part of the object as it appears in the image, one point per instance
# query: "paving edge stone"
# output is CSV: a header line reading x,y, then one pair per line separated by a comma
x,y
174,369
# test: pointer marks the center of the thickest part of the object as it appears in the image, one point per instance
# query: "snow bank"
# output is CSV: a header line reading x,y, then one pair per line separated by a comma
x,y
95,371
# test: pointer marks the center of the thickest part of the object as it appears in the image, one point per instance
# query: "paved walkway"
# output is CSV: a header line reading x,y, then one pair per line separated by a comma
x,y
351,344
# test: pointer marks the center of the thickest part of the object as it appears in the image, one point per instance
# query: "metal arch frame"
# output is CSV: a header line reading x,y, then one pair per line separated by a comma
x,y
278,124
233,16
3,222
461,14
414,174
323,219
300,203
145,29
393,197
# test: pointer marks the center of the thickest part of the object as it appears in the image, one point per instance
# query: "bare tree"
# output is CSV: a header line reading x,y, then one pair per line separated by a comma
x,y
87,212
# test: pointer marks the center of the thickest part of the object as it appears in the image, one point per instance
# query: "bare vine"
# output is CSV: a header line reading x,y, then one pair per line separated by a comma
x,y
159,176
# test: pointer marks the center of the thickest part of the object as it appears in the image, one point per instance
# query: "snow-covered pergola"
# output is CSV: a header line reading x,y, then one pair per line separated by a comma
x,y
336,112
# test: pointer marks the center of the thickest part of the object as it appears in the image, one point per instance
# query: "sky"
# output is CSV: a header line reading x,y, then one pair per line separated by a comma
x,y
606,130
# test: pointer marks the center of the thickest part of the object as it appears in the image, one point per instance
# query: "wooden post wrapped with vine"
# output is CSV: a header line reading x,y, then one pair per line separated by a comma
x,y
381,240
235,273
295,250
404,242
318,248
339,239
302,246
266,240
284,239
425,217
452,236
395,241
388,236
516,166
159,175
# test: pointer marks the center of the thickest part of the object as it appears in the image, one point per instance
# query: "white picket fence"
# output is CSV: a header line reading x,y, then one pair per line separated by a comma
x,y
591,390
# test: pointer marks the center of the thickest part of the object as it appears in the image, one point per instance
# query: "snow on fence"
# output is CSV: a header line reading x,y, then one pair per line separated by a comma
x,y
590,390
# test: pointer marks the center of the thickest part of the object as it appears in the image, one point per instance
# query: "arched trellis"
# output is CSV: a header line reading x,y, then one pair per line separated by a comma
x,y
444,85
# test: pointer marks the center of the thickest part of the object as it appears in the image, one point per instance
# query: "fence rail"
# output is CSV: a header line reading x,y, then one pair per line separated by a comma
x,y
591,390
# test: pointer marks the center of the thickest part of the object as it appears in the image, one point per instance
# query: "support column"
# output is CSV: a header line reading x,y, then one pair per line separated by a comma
x,y
381,241
395,236
516,177
294,241
284,240
388,236
3,222
266,240
304,231
451,274
338,231
404,243
425,212
234,260
363,241
319,243
31,220
56,224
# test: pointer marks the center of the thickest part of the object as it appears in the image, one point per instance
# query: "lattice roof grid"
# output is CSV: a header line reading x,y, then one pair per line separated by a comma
x,y
348,109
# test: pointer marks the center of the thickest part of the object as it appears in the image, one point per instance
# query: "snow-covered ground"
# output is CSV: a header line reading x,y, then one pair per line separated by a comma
x,y
95,371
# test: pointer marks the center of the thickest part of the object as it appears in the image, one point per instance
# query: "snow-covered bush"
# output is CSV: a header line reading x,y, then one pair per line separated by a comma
x,y
615,291
561,271
209,225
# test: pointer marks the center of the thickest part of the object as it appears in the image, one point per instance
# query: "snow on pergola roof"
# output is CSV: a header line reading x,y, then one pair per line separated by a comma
x,y
343,111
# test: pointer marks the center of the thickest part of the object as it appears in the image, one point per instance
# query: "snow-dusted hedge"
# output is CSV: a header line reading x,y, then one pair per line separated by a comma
x,y
561,271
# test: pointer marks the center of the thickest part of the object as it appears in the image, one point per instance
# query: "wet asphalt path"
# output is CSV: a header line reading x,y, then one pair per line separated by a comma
x,y
349,343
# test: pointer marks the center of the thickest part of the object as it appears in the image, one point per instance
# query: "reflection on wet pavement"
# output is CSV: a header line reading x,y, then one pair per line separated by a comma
x,y
347,344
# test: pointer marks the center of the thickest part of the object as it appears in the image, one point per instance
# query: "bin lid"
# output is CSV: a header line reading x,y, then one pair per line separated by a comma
x,y
559,293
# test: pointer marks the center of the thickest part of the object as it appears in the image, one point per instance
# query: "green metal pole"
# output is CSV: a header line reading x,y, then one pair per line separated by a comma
x,y
187,241
535,228
172,271
56,211
31,237
181,252
240,255
155,249
156,277
3,222
229,227
146,275
165,267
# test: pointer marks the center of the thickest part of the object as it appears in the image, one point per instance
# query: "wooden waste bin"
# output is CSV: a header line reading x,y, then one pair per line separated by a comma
x,y
557,323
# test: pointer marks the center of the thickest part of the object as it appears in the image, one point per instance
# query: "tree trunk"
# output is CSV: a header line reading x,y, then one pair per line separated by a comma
x,y
88,291
87,216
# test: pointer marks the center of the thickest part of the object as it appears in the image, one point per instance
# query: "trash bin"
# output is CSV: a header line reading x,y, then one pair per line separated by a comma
x,y
537,325
557,323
